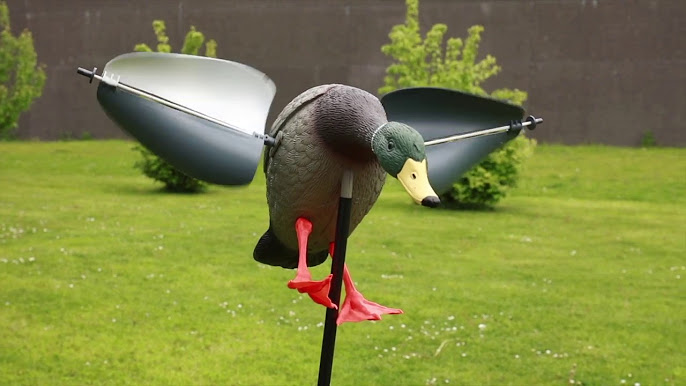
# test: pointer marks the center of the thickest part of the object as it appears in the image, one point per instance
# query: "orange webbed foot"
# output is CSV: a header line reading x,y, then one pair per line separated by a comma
x,y
356,308
318,290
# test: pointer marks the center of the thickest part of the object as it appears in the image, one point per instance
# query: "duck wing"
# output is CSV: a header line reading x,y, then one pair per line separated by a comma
x,y
293,107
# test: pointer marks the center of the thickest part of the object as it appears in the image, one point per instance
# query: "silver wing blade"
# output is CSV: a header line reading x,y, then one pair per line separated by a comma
x,y
204,116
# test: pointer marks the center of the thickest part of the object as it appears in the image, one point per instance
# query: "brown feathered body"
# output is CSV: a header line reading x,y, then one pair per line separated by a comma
x,y
321,133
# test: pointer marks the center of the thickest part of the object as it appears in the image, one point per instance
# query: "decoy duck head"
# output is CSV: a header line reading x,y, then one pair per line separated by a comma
x,y
400,151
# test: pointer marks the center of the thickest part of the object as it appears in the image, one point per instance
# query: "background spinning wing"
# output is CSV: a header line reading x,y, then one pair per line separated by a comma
x,y
438,113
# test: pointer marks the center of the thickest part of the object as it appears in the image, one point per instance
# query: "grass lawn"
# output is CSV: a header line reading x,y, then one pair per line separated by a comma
x,y
579,276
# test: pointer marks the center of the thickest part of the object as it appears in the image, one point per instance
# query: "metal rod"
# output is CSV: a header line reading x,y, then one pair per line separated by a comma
x,y
340,246
481,133
142,93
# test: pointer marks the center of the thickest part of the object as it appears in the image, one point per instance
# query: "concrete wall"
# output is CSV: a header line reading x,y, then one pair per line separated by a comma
x,y
598,71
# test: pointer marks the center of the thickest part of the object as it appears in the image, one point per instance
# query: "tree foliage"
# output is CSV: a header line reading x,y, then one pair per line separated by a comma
x,y
21,78
192,43
453,63
150,164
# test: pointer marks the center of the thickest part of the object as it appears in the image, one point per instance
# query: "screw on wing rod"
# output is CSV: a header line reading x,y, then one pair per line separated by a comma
x,y
515,126
87,73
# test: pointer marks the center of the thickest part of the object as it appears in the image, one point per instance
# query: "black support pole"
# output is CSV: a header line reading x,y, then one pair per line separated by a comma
x,y
341,243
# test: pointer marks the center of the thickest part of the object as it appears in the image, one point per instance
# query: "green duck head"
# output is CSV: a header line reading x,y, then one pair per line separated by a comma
x,y
400,151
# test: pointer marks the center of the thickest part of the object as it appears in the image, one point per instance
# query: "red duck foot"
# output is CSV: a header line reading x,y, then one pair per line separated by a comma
x,y
356,308
318,290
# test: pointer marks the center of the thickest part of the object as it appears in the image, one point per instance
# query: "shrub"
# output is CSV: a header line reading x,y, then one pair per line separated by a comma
x,y
453,64
159,170
21,78
648,139
150,164
68,135
488,182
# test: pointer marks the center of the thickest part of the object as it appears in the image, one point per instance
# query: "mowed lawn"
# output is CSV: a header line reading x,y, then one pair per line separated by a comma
x,y
579,276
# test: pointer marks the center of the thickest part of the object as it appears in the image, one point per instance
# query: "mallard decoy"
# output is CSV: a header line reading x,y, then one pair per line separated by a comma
x,y
213,132
323,132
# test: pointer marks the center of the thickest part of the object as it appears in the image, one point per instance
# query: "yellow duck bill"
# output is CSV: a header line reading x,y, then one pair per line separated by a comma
x,y
414,178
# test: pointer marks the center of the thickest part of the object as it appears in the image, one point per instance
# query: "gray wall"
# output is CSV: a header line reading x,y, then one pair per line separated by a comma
x,y
598,71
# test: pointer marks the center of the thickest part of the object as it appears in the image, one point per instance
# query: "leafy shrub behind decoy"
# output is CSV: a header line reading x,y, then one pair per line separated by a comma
x,y
489,181
160,170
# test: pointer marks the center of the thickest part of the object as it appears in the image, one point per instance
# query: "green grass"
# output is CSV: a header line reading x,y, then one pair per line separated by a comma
x,y
579,275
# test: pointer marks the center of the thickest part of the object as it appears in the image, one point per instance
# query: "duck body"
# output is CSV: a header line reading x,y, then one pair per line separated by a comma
x,y
322,132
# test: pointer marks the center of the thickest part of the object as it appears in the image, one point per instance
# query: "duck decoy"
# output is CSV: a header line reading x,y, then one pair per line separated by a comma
x,y
323,132
214,131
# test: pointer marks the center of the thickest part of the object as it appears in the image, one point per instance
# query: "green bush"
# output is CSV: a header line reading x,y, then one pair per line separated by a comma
x,y
159,170
21,78
490,180
453,64
648,139
150,164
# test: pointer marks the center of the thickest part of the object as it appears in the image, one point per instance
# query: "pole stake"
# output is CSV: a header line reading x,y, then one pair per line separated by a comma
x,y
341,243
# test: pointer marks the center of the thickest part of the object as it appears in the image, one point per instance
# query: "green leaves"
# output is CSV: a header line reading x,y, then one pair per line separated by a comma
x,y
21,78
211,48
433,61
490,181
158,169
192,43
162,39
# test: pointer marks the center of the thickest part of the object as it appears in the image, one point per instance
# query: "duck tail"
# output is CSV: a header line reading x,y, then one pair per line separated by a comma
x,y
271,251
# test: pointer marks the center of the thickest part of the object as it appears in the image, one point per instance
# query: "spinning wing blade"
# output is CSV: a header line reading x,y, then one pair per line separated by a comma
x,y
204,116
439,113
